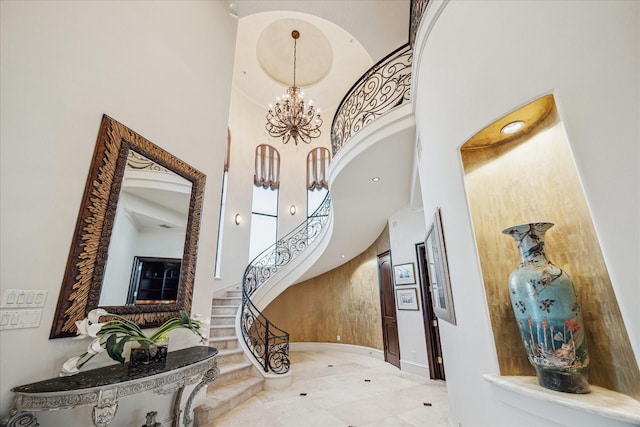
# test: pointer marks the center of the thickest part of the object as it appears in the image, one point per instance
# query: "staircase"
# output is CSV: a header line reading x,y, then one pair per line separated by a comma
x,y
235,382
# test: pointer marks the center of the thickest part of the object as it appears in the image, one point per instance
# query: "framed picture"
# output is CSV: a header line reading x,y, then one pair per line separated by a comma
x,y
404,274
407,299
438,271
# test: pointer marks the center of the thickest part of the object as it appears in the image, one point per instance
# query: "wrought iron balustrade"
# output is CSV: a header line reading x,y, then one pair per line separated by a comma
x,y
268,343
385,86
418,7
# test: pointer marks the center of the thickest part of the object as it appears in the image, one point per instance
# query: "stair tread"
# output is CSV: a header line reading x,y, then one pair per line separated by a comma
x,y
225,338
232,366
225,351
229,390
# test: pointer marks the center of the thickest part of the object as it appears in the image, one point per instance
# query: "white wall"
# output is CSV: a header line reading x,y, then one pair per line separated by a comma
x,y
482,60
406,229
160,68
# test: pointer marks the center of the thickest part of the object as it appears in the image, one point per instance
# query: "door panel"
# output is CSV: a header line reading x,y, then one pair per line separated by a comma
x,y
388,308
431,328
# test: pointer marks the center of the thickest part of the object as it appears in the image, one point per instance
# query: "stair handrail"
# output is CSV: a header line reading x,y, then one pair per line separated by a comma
x,y
386,85
268,343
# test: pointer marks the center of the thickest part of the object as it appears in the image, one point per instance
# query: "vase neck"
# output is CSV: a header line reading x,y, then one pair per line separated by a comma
x,y
530,241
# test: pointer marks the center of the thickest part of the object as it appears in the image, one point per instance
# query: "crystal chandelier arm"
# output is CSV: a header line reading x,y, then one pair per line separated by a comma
x,y
289,118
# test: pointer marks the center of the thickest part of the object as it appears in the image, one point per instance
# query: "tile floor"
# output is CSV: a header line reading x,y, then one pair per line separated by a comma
x,y
343,389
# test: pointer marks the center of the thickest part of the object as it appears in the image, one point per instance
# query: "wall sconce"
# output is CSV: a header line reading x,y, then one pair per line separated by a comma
x,y
238,219
292,210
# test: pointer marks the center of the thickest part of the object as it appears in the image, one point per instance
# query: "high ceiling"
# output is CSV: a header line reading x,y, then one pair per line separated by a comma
x,y
338,42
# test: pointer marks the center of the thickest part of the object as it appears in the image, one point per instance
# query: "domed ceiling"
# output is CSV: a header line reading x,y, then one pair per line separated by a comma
x,y
338,42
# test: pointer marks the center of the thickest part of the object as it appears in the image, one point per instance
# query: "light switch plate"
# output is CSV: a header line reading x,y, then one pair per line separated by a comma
x,y
20,319
23,298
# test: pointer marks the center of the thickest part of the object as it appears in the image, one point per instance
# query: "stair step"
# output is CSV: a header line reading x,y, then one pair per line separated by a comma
x,y
222,330
222,319
230,355
222,343
236,301
234,294
230,372
223,400
219,310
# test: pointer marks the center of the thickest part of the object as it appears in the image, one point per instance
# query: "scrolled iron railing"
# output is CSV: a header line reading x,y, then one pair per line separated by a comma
x,y
268,343
385,86
418,7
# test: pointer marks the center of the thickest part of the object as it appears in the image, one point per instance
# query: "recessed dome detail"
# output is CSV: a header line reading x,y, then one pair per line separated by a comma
x,y
274,52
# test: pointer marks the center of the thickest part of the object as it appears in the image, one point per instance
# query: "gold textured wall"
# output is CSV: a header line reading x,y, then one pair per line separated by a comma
x,y
533,179
344,301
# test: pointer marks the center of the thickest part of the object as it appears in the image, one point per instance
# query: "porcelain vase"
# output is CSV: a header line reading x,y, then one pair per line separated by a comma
x,y
546,308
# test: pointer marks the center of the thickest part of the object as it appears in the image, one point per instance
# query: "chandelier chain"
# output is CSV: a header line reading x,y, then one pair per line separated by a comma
x,y
290,118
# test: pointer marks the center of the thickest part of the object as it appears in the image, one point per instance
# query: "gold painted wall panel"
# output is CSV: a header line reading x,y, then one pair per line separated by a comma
x,y
536,180
344,301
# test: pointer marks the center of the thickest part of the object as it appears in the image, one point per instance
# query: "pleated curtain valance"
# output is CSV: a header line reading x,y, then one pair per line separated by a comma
x,y
267,174
317,167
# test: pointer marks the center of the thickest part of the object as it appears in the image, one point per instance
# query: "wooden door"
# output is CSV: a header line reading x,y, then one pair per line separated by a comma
x,y
431,329
388,308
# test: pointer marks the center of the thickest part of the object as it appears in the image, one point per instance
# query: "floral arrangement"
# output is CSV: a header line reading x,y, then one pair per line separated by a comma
x,y
113,334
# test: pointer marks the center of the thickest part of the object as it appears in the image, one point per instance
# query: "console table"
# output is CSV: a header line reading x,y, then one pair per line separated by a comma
x,y
102,387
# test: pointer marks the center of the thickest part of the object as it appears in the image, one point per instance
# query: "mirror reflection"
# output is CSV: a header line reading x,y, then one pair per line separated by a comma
x,y
135,244
147,241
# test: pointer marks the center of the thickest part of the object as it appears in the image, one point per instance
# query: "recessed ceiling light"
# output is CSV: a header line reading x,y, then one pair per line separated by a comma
x,y
375,179
512,127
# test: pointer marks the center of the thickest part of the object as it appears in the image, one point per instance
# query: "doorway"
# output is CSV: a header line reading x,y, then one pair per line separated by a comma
x,y
388,308
431,328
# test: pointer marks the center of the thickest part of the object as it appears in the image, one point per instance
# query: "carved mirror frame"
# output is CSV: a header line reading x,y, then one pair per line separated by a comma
x,y
84,273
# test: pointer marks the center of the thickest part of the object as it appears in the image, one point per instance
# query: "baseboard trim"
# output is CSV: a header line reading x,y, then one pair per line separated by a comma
x,y
414,368
330,346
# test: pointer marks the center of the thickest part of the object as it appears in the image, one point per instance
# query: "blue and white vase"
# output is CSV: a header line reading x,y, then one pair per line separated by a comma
x,y
548,314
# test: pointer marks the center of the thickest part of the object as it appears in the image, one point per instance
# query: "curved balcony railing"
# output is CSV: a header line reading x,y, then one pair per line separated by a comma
x,y
268,343
383,87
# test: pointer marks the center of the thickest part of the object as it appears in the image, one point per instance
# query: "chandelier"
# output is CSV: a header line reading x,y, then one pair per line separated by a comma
x,y
290,118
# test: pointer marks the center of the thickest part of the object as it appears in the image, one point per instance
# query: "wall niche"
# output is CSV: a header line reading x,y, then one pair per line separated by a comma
x,y
530,176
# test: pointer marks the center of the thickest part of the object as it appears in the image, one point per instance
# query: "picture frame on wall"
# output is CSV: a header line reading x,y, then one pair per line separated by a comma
x,y
404,274
407,299
438,270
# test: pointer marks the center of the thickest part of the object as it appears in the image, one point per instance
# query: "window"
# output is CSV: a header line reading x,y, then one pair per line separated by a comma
x,y
223,203
264,211
317,186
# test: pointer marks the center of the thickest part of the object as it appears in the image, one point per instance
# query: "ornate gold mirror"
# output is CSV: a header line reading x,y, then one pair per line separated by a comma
x,y
135,243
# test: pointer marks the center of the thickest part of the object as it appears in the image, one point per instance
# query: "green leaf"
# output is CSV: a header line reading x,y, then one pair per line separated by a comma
x,y
115,347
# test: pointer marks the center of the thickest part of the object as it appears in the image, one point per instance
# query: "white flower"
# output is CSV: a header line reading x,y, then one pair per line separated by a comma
x,y
87,329
204,328
95,314
70,367
83,328
95,347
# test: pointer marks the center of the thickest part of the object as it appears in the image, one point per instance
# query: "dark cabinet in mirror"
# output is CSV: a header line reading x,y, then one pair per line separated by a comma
x,y
140,203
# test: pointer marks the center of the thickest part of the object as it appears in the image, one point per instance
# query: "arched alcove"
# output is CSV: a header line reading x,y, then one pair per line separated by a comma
x,y
530,176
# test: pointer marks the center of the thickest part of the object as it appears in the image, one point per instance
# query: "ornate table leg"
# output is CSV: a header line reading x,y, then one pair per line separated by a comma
x,y
208,376
106,408
176,407
20,419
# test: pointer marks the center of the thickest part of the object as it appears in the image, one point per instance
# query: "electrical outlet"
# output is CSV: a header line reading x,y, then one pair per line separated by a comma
x,y
338,338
